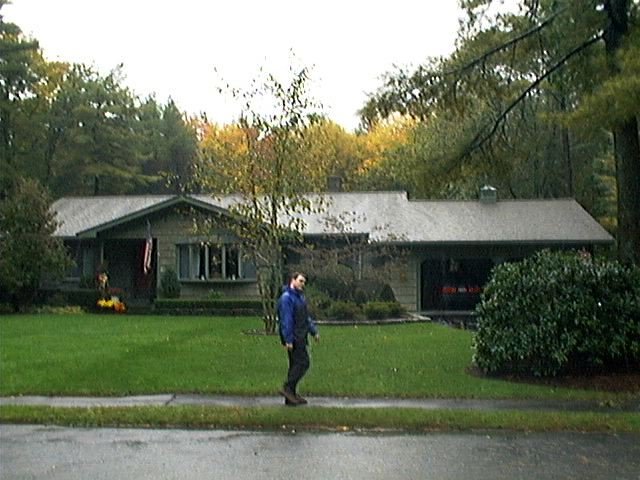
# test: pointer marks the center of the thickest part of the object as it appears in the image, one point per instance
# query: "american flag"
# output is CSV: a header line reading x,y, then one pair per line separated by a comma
x,y
148,250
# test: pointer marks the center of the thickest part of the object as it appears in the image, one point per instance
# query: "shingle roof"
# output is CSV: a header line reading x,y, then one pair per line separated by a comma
x,y
384,216
85,215
561,220
78,214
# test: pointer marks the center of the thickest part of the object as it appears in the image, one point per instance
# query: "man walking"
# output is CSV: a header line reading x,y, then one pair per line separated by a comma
x,y
294,326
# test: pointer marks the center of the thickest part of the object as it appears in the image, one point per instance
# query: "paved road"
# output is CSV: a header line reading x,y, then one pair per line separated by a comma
x,y
39,452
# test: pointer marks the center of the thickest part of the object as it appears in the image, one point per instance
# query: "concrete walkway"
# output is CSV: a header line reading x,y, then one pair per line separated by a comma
x,y
333,402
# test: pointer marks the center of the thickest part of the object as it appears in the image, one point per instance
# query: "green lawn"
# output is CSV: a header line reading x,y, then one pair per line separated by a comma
x,y
124,355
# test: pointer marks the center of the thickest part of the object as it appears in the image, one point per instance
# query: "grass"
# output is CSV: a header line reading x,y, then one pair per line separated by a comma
x,y
128,355
310,418
125,355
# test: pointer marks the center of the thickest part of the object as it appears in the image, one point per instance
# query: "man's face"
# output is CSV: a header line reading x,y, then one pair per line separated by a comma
x,y
299,282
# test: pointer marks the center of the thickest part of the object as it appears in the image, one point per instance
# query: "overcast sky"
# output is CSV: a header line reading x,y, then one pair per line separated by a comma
x,y
172,48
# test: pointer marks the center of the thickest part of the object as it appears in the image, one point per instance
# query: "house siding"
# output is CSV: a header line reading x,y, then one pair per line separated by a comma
x,y
169,229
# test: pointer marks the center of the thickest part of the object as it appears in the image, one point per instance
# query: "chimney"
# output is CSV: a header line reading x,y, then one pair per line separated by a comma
x,y
488,194
334,183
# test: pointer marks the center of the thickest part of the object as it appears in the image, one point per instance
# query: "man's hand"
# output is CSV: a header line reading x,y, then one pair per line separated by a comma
x,y
316,337
288,346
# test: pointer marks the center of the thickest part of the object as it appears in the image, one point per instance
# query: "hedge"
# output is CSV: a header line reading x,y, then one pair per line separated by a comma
x,y
380,310
343,311
218,306
83,297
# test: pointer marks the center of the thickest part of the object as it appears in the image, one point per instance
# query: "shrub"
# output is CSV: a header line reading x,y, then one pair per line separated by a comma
x,y
343,311
58,299
318,300
375,291
84,297
558,312
6,308
380,310
337,281
169,284
360,296
386,294
215,294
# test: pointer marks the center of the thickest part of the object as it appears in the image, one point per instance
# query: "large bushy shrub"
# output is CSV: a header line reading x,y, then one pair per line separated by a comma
x,y
29,252
559,312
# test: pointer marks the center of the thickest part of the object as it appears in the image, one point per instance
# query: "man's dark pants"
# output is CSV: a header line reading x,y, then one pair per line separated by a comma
x,y
298,364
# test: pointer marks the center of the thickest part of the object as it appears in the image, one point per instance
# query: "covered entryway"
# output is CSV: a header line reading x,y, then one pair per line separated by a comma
x,y
124,260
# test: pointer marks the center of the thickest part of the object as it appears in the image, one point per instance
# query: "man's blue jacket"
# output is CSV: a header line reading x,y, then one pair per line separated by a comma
x,y
293,317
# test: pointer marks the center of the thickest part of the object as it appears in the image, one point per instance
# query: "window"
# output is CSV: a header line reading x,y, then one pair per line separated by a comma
x,y
232,262
200,261
84,256
215,262
189,260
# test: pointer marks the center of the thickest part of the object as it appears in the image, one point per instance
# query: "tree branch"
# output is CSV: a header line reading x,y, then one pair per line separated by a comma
x,y
482,58
480,139
382,107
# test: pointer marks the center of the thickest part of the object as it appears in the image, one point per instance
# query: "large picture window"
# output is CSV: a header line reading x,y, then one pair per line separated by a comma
x,y
200,261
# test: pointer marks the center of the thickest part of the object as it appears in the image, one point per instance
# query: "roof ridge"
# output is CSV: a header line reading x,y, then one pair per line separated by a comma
x,y
504,200
75,197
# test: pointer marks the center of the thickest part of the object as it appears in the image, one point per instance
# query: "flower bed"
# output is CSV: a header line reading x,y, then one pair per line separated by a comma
x,y
112,303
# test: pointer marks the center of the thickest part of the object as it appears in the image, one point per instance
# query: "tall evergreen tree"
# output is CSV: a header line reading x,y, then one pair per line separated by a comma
x,y
17,80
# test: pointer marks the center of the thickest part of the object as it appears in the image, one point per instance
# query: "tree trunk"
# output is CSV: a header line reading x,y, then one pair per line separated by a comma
x,y
6,134
270,283
627,152
626,144
566,152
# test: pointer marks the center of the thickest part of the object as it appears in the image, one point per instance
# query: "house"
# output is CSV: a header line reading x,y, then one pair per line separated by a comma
x,y
450,246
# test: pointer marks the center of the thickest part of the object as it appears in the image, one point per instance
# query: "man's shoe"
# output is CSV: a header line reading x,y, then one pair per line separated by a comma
x,y
289,396
301,400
